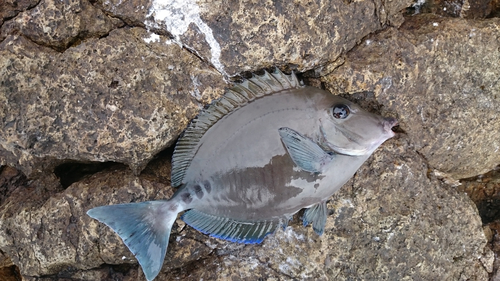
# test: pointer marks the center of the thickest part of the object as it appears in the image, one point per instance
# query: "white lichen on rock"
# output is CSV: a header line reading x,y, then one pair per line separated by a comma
x,y
177,15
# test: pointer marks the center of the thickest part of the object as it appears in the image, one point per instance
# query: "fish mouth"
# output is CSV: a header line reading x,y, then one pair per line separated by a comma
x,y
391,126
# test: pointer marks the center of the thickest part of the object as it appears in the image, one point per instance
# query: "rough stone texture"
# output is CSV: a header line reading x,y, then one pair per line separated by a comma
x,y
10,8
391,221
440,77
85,81
469,9
66,95
59,24
265,33
115,99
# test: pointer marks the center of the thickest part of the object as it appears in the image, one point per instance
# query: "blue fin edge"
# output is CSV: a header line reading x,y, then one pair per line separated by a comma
x,y
232,230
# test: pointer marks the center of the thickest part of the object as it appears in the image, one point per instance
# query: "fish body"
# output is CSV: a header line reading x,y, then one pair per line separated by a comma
x,y
250,174
269,148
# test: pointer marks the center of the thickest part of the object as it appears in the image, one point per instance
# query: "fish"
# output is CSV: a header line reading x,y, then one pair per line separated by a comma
x,y
269,147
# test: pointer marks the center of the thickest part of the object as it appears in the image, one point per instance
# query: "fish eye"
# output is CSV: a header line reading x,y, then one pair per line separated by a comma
x,y
340,111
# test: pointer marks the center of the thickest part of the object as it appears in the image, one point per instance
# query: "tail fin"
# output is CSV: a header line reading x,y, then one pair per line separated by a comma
x,y
143,227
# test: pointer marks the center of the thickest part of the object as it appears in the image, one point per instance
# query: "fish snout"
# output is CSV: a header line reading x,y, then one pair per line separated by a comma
x,y
389,123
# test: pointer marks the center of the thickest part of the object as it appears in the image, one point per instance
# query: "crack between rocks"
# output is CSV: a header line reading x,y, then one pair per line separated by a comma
x,y
29,8
429,168
195,53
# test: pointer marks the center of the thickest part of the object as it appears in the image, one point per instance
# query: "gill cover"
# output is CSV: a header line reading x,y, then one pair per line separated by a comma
x,y
349,130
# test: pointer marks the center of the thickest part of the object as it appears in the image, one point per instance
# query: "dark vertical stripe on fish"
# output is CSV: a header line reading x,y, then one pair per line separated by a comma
x,y
208,186
186,197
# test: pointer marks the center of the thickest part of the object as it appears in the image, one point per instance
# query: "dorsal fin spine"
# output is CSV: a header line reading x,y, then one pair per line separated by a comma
x,y
244,91
234,98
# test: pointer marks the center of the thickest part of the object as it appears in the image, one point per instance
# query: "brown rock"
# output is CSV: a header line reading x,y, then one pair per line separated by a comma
x,y
241,36
469,9
440,77
60,24
68,95
10,8
99,100
390,221
116,99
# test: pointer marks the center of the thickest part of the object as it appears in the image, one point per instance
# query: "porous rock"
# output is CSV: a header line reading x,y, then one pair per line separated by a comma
x,y
59,24
391,221
70,95
440,78
116,99
76,85
230,34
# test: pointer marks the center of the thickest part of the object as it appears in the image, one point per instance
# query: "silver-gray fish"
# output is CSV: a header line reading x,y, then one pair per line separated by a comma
x,y
267,149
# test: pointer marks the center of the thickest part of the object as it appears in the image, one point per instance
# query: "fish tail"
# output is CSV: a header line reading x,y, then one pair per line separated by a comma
x,y
144,227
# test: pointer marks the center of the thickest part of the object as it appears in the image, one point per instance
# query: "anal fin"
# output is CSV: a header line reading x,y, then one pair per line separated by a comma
x,y
230,229
317,215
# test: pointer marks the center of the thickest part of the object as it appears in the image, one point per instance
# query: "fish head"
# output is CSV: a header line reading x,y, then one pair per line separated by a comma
x,y
348,129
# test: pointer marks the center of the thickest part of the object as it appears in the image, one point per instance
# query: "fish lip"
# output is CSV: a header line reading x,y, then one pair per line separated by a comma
x,y
390,123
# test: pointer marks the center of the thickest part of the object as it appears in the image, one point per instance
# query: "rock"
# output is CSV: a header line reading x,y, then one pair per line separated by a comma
x,y
390,221
445,92
116,82
60,24
10,8
87,104
233,39
66,95
478,9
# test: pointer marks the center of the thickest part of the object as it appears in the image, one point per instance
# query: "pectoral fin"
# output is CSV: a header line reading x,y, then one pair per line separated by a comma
x,y
317,215
305,153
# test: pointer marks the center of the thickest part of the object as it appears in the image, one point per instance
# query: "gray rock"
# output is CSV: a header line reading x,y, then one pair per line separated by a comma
x,y
440,77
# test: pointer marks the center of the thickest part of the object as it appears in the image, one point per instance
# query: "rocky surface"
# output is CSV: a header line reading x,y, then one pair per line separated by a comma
x,y
484,190
478,9
116,82
88,104
96,86
390,221
440,78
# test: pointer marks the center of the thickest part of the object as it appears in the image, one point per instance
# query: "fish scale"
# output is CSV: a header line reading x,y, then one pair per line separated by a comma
x,y
251,160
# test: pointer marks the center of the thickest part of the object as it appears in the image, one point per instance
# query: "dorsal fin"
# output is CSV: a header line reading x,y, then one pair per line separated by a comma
x,y
233,98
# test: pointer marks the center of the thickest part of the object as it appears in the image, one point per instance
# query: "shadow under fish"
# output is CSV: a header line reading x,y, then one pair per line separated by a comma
x,y
251,160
